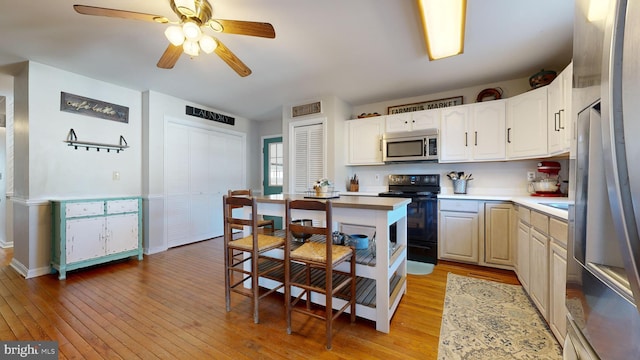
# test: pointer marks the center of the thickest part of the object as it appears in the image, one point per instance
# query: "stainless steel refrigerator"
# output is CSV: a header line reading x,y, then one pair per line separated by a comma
x,y
603,282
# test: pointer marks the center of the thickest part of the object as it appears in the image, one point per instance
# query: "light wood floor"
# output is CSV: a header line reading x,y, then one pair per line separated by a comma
x,y
171,306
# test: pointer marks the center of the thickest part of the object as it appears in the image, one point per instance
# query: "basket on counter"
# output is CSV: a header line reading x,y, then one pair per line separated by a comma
x,y
459,186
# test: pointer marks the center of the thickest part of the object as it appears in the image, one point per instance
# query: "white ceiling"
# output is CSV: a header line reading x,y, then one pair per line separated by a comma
x,y
362,51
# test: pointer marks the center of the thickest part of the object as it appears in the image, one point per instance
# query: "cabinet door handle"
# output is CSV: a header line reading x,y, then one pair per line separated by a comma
x,y
509,135
556,121
380,142
476,140
465,139
560,120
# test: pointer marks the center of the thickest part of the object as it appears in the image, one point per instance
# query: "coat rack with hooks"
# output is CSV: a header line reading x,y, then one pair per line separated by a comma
x,y
72,140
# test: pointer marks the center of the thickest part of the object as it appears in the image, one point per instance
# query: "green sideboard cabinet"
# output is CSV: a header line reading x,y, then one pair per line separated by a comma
x,y
94,231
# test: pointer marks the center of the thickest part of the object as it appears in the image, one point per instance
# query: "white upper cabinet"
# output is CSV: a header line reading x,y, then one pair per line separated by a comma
x,y
454,134
398,122
365,141
474,132
527,125
425,119
417,120
559,112
489,124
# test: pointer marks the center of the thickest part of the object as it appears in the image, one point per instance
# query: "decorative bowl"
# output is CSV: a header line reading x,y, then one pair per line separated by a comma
x,y
301,237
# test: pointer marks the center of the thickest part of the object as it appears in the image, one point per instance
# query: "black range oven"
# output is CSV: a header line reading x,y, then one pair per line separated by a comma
x,y
422,214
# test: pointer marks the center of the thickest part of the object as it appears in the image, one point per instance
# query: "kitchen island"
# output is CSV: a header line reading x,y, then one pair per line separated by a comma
x,y
382,269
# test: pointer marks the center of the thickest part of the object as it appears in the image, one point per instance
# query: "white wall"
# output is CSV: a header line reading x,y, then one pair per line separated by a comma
x,y
57,170
6,109
46,168
336,112
157,107
490,178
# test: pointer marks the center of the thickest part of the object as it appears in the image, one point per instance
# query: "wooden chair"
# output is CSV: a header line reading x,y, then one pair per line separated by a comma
x,y
245,251
312,267
261,222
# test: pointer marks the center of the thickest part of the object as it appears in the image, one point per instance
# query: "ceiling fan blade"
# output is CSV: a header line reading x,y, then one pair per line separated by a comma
x,y
123,14
170,57
232,60
250,28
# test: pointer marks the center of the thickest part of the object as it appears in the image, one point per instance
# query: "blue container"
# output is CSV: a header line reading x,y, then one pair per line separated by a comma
x,y
359,241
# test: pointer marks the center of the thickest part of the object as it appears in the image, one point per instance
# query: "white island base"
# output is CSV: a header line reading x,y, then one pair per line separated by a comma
x,y
381,279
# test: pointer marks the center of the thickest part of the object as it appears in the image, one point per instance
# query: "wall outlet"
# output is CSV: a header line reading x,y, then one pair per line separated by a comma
x,y
531,176
116,175
377,177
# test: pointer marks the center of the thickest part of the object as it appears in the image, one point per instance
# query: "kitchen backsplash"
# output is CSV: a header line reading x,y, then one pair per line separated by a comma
x,y
489,178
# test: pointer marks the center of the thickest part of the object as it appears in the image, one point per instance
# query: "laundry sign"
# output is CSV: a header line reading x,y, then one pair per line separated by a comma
x,y
210,115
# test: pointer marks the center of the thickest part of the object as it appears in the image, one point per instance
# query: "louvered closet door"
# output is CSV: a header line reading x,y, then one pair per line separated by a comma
x,y
201,165
309,156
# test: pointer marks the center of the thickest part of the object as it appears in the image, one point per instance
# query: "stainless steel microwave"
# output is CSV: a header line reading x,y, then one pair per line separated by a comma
x,y
410,146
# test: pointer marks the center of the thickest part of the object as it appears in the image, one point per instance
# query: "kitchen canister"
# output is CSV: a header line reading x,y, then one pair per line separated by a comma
x,y
459,186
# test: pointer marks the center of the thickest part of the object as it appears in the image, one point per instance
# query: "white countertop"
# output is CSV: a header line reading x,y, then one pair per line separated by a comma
x,y
533,202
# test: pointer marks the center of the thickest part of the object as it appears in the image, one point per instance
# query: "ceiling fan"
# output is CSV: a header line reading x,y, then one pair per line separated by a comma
x,y
186,34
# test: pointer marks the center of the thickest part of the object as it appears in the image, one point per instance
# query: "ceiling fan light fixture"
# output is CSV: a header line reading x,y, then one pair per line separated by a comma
x,y
216,26
186,7
443,23
175,35
191,48
208,44
191,30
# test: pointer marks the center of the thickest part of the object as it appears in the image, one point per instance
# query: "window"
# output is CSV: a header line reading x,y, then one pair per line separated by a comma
x,y
276,174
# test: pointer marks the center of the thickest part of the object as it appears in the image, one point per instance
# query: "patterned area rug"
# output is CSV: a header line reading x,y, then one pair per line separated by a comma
x,y
490,320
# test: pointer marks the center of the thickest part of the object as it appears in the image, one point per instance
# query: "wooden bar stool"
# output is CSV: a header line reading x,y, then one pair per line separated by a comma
x,y
261,222
250,248
312,267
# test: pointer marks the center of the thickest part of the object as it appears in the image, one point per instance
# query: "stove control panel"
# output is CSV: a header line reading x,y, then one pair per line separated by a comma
x,y
415,180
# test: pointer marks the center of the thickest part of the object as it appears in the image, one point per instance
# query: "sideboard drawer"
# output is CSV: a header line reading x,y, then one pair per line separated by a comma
x,y
122,206
78,209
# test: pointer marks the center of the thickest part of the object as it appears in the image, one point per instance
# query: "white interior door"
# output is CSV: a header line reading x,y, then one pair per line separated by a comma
x,y
201,165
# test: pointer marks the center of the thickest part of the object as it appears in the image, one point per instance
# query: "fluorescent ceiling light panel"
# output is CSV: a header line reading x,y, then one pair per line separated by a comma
x,y
443,22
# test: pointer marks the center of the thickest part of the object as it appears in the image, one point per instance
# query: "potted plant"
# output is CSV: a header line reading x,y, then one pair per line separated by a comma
x,y
322,187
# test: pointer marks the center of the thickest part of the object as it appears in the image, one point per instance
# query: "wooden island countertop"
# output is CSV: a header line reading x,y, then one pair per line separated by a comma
x,y
355,202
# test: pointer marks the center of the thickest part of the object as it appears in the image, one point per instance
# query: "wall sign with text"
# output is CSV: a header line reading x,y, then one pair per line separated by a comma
x,y
91,107
426,105
210,115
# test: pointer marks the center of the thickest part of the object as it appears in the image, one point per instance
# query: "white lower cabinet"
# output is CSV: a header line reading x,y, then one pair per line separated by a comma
x,y
458,230
495,234
522,266
558,231
542,265
498,242
539,271
89,232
